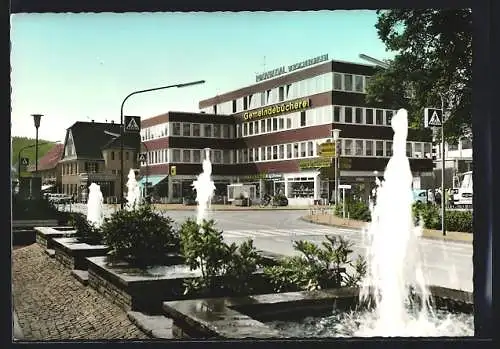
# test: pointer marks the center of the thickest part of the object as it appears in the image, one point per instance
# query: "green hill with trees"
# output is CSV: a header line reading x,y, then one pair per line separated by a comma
x,y
20,142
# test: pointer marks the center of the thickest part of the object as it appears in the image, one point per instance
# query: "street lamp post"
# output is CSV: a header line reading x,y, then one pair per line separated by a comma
x,y
122,126
36,120
335,136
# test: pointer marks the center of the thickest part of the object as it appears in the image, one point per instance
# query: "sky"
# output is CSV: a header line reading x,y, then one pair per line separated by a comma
x,y
80,67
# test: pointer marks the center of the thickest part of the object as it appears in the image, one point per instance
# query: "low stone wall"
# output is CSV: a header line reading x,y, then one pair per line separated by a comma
x,y
109,290
65,259
42,241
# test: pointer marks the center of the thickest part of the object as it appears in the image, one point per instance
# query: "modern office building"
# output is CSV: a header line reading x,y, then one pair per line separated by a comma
x,y
92,154
458,160
270,134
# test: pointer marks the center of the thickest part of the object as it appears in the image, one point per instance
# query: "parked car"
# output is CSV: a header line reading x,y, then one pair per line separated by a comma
x,y
420,196
60,198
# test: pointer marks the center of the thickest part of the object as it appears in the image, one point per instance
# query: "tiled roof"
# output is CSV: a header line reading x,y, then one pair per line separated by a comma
x,y
51,158
89,138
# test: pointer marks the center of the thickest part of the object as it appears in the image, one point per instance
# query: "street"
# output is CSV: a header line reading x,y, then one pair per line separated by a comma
x,y
446,264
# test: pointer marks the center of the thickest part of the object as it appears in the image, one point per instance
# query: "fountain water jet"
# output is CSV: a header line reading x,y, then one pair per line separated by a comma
x,y
204,188
394,264
133,192
95,205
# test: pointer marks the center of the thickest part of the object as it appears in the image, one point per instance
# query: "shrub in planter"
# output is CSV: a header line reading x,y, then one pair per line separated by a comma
x,y
459,221
357,210
317,267
85,231
33,209
141,236
225,269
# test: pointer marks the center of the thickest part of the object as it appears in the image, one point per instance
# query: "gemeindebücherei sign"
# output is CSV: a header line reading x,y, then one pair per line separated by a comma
x,y
284,69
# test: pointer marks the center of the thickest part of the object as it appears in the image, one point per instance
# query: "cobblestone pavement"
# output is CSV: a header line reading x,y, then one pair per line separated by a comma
x,y
52,305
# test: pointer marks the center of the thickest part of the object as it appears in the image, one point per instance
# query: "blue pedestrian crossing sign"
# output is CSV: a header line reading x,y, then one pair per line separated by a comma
x,y
132,124
433,117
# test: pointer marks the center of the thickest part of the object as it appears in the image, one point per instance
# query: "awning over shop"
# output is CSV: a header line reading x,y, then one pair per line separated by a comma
x,y
152,180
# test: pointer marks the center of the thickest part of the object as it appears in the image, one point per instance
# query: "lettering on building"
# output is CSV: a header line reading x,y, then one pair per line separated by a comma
x,y
283,70
314,163
277,109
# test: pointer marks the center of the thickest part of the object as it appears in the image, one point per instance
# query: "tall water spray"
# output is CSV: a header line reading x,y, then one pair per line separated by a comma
x,y
204,188
394,265
95,212
133,192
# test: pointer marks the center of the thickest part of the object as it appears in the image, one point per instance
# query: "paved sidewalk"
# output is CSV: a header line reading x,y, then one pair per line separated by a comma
x,y
52,305
331,220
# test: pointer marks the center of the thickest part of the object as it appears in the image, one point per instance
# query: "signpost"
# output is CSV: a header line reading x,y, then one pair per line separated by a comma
x,y
434,117
327,150
132,124
344,187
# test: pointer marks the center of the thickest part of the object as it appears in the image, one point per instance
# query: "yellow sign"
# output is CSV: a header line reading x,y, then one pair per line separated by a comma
x,y
277,109
314,163
326,150
173,170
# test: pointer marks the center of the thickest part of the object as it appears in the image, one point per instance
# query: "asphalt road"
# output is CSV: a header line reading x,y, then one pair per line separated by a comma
x,y
446,264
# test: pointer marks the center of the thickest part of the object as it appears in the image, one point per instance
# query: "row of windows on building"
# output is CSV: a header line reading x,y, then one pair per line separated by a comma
x,y
305,118
187,129
341,114
303,88
72,168
288,151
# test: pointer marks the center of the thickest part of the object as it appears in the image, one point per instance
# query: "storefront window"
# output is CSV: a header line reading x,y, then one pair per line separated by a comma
x,y
301,188
176,190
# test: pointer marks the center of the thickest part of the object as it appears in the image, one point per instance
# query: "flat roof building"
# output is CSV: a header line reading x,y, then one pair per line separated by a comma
x,y
270,134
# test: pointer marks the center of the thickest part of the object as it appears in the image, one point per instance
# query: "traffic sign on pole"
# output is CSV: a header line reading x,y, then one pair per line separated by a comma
x,y
433,117
326,150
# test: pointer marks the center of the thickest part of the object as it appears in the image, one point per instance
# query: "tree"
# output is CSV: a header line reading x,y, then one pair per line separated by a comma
x,y
434,55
